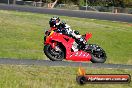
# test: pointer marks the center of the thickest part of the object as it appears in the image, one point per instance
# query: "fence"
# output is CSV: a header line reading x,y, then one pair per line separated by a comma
x,y
67,6
107,9
21,2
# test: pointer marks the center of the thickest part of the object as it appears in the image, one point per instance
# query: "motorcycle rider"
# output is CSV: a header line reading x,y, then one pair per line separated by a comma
x,y
62,27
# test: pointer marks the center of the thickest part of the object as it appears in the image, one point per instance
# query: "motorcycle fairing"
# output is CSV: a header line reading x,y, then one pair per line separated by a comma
x,y
87,36
67,42
79,56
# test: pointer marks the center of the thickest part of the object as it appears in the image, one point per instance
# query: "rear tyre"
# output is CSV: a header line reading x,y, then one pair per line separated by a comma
x,y
52,54
97,53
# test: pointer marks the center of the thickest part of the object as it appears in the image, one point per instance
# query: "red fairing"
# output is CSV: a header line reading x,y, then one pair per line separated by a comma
x,y
88,36
79,56
67,42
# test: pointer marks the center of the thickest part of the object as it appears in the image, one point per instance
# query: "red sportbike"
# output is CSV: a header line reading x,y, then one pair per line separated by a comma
x,y
58,46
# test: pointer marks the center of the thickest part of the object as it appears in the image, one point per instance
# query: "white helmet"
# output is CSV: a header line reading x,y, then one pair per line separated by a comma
x,y
54,21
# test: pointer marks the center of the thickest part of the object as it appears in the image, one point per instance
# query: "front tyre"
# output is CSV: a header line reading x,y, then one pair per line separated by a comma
x,y
52,54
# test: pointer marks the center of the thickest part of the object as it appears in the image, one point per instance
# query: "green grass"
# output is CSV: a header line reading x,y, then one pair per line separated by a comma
x,y
21,35
12,76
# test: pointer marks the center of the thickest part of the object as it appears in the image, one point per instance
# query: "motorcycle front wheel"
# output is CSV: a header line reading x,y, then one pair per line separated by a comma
x,y
52,54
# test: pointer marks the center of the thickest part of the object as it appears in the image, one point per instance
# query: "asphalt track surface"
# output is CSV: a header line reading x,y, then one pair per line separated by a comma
x,y
62,63
81,14
71,13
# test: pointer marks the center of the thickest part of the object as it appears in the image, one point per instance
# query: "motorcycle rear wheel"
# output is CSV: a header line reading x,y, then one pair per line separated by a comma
x,y
52,54
97,53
